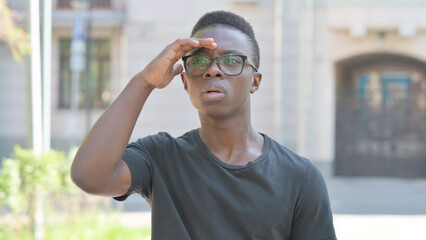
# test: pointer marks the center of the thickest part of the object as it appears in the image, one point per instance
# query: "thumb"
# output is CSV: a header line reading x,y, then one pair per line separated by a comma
x,y
177,69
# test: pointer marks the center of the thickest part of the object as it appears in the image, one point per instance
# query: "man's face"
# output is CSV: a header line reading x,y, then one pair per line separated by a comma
x,y
215,94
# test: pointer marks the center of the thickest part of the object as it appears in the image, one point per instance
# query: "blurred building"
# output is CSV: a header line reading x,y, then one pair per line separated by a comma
x,y
344,82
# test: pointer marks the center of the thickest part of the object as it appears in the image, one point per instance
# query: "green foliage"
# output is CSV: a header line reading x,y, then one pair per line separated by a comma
x,y
26,174
98,226
15,37
31,184
8,232
69,214
10,182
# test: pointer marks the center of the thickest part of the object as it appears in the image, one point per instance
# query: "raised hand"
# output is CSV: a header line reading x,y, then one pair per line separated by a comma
x,y
97,167
163,68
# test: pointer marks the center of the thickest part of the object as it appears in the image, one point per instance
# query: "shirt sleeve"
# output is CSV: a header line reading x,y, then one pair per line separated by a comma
x,y
139,157
312,219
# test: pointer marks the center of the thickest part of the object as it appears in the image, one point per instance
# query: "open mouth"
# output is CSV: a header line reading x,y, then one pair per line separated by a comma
x,y
214,89
213,93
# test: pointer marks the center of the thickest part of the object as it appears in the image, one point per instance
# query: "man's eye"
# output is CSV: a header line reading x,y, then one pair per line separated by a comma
x,y
200,61
232,60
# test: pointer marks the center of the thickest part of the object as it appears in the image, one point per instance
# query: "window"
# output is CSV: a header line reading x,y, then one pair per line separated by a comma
x,y
94,90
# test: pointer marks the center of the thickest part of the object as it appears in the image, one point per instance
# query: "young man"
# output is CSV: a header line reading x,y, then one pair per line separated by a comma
x,y
221,181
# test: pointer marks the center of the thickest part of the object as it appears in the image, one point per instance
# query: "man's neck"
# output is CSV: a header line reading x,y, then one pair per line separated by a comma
x,y
233,141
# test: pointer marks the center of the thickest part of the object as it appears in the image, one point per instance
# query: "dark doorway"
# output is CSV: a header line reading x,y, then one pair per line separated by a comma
x,y
381,116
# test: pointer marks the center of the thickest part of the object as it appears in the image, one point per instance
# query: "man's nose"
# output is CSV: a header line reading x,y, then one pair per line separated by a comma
x,y
213,71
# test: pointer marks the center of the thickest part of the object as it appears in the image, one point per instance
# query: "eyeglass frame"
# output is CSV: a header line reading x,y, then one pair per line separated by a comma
x,y
243,57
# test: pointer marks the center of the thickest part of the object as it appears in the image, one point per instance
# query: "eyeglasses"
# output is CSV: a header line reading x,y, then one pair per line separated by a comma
x,y
230,65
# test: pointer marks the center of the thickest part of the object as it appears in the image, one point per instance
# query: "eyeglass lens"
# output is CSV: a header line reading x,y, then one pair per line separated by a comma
x,y
230,64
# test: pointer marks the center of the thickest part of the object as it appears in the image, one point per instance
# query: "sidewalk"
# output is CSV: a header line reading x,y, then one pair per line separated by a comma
x,y
378,208
380,227
378,196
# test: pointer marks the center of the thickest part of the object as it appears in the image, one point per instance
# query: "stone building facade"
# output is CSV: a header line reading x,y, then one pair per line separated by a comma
x,y
343,81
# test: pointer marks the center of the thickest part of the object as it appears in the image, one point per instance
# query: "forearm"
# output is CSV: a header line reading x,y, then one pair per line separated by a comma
x,y
104,146
96,168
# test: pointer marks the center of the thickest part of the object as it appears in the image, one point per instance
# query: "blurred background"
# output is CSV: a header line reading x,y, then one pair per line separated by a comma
x,y
344,84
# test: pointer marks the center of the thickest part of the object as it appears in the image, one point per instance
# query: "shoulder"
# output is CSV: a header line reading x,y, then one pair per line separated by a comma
x,y
162,140
149,142
288,157
297,167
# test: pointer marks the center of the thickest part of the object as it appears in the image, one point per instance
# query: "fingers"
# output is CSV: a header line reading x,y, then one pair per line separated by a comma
x,y
182,46
192,43
206,43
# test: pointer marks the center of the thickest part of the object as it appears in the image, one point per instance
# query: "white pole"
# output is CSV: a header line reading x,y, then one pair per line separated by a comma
x,y
47,73
36,106
313,119
305,87
36,76
277,68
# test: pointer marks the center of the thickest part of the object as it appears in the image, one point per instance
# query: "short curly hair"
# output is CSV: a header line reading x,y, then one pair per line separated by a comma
x,y
234,21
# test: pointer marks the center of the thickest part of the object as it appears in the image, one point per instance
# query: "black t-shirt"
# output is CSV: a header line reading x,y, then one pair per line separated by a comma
x,y
194,195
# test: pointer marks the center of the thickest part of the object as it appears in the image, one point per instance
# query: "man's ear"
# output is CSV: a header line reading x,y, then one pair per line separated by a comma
x,y
257,78
185,84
